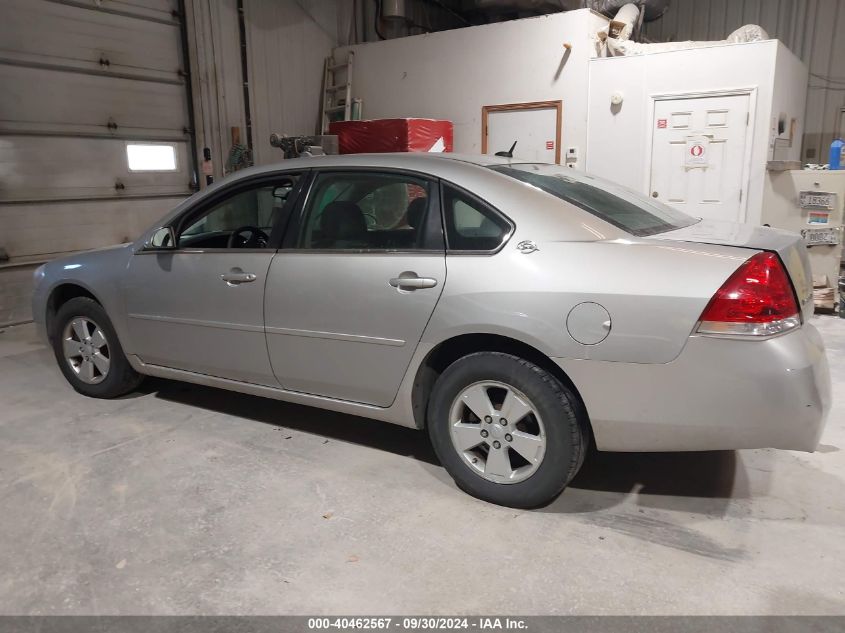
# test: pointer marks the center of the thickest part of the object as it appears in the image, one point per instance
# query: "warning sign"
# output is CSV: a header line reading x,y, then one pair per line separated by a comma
x,y
661,124
698,151
550,144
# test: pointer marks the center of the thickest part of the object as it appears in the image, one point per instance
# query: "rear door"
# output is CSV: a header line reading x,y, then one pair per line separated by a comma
x,y
350,294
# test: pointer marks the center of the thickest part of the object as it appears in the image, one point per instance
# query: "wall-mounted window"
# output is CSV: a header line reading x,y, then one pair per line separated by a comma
x,y
151,156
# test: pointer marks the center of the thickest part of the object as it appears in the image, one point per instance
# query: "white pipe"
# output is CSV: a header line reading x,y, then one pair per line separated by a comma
x,y
623,22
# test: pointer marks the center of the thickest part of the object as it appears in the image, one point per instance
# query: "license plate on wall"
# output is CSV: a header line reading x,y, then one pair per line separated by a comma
x,y
817,237
822,200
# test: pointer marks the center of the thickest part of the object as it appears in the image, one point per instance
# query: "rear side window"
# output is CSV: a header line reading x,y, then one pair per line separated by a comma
x,y
625,209
368,211
471,225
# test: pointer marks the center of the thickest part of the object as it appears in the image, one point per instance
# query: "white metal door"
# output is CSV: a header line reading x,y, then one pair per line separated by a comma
x,y
534,130
698,155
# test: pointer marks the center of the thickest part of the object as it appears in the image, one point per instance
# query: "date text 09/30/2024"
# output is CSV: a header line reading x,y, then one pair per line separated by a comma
x,y
417,623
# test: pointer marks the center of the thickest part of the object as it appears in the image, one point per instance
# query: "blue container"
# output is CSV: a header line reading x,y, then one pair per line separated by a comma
x,y
837,160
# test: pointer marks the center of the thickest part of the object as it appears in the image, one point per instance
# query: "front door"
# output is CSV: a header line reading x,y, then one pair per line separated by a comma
x,y
698,155
348,301
200,307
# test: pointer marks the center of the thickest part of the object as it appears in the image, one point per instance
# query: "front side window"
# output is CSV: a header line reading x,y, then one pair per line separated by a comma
x,y
243,220
366,211
630,211
470,224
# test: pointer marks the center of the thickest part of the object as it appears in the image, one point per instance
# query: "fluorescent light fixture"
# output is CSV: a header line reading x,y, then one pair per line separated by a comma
x,y
151,156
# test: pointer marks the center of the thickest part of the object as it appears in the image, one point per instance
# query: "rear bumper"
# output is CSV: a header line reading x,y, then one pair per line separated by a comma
x,y
719,394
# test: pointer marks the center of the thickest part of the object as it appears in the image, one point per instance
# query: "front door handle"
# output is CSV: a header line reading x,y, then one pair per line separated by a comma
x,y
234,278
410,281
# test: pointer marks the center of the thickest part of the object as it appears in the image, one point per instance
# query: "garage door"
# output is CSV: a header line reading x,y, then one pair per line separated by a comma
x,y
95,133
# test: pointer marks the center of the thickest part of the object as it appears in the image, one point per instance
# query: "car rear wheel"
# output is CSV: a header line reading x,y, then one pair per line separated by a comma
x,y
506,430
88,352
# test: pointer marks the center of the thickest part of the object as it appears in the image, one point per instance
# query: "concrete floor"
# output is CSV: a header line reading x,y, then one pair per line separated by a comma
x,y
186,500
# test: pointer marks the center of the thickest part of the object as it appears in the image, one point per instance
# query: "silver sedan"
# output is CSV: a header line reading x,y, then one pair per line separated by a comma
x,y
518,312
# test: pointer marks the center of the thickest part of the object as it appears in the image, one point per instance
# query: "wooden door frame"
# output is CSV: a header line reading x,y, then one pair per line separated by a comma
x,y
531,105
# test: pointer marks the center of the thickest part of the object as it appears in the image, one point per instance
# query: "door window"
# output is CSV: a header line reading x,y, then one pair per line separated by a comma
x,y
243,220
470,224
367,211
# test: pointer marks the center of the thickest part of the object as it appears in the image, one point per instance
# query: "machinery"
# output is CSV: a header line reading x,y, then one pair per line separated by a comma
x,y
810,202
303,146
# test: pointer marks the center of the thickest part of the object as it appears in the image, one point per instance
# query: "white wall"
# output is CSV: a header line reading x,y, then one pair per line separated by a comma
x,y
452,74
619,143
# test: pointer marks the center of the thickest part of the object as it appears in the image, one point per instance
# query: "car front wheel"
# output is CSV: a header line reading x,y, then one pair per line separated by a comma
x,y
506,430
88,352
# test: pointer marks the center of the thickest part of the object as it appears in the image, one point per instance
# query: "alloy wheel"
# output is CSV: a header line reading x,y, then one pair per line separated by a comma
x,y
86,350
497,432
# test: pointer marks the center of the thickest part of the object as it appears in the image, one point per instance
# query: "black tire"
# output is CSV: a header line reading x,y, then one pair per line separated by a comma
x,y
120,378
566,429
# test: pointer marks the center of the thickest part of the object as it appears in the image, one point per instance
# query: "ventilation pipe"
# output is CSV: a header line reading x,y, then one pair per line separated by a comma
x,y
653,8
623,23
394,10
747,33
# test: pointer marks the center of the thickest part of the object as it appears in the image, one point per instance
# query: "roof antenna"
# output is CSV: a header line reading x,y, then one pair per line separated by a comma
x,y
507,154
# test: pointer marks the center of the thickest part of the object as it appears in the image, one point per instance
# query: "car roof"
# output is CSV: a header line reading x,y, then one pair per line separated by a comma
x,y
429,162
438,165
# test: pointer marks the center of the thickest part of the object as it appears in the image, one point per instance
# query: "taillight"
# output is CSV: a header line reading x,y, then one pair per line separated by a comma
x,y
756,300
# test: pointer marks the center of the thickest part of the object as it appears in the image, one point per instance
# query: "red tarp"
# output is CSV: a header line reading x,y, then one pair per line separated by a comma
x,y
392,135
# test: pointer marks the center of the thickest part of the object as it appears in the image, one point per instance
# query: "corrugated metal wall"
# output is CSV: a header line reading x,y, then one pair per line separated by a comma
x,y
813,29
286,43
216,78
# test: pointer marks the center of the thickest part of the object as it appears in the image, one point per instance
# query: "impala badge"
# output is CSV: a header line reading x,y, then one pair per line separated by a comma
x,y
527,246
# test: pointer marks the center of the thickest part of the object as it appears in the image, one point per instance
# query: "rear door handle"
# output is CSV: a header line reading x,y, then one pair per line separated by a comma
x,y
410,281
234,278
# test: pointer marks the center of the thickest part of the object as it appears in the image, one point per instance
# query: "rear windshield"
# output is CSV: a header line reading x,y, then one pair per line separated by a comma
x,y
626,209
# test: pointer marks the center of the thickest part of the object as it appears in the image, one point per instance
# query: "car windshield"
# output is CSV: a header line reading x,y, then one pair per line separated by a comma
x,y
626,209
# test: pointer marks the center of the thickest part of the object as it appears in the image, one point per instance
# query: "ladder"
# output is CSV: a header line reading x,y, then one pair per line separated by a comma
x,y
337,97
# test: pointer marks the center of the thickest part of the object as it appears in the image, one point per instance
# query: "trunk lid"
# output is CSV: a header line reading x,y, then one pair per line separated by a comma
x,y
789,247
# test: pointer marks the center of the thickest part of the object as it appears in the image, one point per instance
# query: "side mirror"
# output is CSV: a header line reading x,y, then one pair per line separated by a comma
x,y
163,238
